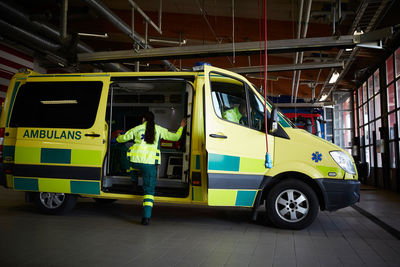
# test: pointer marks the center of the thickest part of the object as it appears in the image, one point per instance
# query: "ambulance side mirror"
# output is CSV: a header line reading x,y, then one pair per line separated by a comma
x,y
273,121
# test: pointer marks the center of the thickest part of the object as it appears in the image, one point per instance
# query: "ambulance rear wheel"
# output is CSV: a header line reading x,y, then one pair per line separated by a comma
x,y
54,203
292,204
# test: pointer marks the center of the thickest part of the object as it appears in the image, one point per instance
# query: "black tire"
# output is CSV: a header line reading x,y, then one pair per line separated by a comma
x,y
292,204
103,201
54,203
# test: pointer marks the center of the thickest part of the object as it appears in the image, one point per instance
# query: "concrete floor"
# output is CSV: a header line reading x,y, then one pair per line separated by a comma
x,y
110,235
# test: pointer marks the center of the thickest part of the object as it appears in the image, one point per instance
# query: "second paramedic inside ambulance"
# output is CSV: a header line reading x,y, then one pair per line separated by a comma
x,y
237,114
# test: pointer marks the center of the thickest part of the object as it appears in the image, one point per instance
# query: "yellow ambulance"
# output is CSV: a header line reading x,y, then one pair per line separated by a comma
x,y
56,133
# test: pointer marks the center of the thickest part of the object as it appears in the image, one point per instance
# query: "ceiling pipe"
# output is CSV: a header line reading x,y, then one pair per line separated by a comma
x,y
160,15
36,43
289,67
22,18
147,19
304,34
297,53
63,19
17,33
120,24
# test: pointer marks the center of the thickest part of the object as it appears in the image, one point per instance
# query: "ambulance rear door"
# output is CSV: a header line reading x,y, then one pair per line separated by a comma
x,y
235,138
60,133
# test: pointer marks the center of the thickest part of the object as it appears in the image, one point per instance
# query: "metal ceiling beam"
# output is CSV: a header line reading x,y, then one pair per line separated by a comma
x,y
304,105
273,47
242,48
288,67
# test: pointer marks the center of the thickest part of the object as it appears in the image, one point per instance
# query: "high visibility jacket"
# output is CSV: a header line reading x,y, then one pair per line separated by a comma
x,y
232,114
142,152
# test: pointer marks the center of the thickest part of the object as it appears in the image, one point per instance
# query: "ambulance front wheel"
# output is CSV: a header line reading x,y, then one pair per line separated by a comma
x,y
55,203
292,204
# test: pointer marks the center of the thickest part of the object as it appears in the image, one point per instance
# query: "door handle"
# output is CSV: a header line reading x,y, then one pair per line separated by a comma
x,y
218,136
93,135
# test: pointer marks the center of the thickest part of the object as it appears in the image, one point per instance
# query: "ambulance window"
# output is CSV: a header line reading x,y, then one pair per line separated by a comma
x,y
229,99
56,105
257,117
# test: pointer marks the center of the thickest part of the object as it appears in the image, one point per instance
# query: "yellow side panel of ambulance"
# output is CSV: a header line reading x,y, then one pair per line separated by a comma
x,y
64,155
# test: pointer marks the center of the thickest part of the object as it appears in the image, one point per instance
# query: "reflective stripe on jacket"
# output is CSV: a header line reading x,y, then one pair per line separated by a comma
x,y
142,152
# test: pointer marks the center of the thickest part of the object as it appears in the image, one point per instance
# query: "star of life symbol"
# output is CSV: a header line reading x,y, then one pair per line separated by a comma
x,y
316,156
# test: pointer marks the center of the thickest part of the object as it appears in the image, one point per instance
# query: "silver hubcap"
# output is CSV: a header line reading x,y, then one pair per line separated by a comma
x,y
292,205
52,200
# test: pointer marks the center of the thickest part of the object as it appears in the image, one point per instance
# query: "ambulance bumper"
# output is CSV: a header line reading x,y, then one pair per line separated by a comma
x,y
339,193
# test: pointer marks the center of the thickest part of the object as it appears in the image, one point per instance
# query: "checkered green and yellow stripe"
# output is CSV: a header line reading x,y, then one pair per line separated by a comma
x,y
57,185
218,162
37,155
232,197
233,180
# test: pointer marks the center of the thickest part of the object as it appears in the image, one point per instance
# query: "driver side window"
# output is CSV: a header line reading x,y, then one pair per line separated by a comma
x,y
229,99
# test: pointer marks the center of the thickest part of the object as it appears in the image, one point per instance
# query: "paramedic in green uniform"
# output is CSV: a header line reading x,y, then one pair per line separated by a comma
x,y
145,155
237,114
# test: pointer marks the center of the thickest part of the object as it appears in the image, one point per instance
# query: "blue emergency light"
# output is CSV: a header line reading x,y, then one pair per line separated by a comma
x,y
198,66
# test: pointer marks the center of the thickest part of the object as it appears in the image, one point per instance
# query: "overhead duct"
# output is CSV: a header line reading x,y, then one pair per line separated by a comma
x,y
296,57
19,34
21,18
34,42
300,57
120,24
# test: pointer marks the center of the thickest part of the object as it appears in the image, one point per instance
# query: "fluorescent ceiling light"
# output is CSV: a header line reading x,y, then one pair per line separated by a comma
x,y
358,32
58,102
168,41
105,36
261,77
323,97
334,77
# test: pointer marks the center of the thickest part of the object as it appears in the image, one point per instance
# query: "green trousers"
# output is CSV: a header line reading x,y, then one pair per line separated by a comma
x,y
149,175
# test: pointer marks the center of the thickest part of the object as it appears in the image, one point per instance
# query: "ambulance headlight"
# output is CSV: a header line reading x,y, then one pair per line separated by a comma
x,y
343,161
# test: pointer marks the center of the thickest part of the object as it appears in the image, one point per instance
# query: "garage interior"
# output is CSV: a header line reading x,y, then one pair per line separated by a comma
x,y
333,67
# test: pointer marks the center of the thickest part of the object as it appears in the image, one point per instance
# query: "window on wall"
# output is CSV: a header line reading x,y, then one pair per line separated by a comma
x,y
389,70
397,62
369,119
378,125
328,118
342,120
355,109
393,103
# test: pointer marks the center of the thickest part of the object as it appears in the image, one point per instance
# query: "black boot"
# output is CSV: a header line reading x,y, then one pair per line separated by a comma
x,y
145,221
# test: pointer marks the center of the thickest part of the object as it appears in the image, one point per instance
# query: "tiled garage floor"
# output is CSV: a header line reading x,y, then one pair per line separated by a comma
x,y
111,235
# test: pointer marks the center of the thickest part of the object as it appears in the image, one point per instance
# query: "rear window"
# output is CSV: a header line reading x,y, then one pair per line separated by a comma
x,y
56,105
